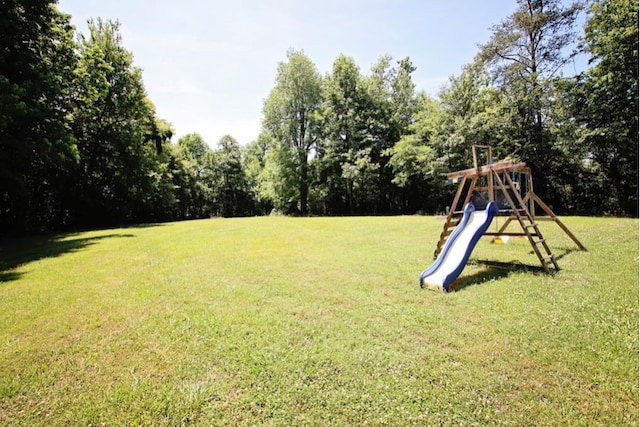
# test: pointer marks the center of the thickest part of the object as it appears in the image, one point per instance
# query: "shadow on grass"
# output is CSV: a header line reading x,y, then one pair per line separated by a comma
x,y
495,270
17,252
565,252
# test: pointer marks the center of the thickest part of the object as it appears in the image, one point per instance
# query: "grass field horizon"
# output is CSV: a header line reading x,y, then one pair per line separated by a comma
x,y
316,321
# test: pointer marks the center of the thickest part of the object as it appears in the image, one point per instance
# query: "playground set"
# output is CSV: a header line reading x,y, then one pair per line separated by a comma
x,y
490,190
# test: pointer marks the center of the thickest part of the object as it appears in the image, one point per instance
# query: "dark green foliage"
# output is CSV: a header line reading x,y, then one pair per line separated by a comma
x,y
525,55
112,121
194,188
36,66
231,186
363,118
82,146
291,118
344,166
611,100
254,160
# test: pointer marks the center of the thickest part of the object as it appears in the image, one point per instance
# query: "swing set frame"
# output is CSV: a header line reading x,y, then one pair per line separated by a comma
x,y
498,181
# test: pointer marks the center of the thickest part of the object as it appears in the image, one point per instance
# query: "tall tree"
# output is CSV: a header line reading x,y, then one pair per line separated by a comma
x,y
611,88
279,179
346,107
197,187
36,65
162,173
472,112
231,182
113,120
254,157
413,160
393,105
526,52
291,116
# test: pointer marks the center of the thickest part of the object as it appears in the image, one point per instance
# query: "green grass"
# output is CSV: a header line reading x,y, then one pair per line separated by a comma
x,y
316,321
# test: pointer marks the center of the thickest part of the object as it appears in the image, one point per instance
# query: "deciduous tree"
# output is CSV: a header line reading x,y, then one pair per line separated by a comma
x,y
344,164
291,118
611,88
526,52
231,187
37,147
197,189
113,119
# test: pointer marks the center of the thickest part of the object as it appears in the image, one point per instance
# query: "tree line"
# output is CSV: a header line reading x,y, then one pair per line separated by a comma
x,y
82,145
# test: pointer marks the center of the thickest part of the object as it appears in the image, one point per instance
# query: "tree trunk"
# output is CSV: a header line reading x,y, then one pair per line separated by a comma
x,y
304,186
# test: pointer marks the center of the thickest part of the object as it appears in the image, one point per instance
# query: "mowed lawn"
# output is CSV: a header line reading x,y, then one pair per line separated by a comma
x,y
281,321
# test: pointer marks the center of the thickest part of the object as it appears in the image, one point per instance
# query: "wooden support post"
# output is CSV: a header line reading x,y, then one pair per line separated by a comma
x,y
472,188
449,220
457,197
490,184
504,226
555,219
532,205
528,222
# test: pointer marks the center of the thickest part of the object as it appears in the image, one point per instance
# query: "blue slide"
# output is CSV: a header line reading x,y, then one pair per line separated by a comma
x,y
458,247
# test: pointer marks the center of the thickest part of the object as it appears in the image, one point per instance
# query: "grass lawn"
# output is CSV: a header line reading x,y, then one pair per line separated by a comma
x,y
316,321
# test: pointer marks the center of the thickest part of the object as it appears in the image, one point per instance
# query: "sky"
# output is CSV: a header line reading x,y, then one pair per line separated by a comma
x,y
208,65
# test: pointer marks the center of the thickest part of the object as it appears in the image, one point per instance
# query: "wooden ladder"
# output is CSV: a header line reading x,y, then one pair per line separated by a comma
x,y
528,224
453,217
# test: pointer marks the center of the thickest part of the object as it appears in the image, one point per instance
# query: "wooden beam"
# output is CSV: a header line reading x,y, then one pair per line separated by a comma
x,y
554,218
507,166
472,188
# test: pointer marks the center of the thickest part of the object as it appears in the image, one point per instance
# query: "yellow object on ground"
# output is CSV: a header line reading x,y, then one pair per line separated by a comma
x,y
500,240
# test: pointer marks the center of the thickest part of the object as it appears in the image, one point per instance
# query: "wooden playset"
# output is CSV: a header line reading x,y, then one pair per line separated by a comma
x,y
511,186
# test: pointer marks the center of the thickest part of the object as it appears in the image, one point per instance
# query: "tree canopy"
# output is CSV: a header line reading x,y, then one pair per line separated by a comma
x,y
610,114
291,118
82,145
